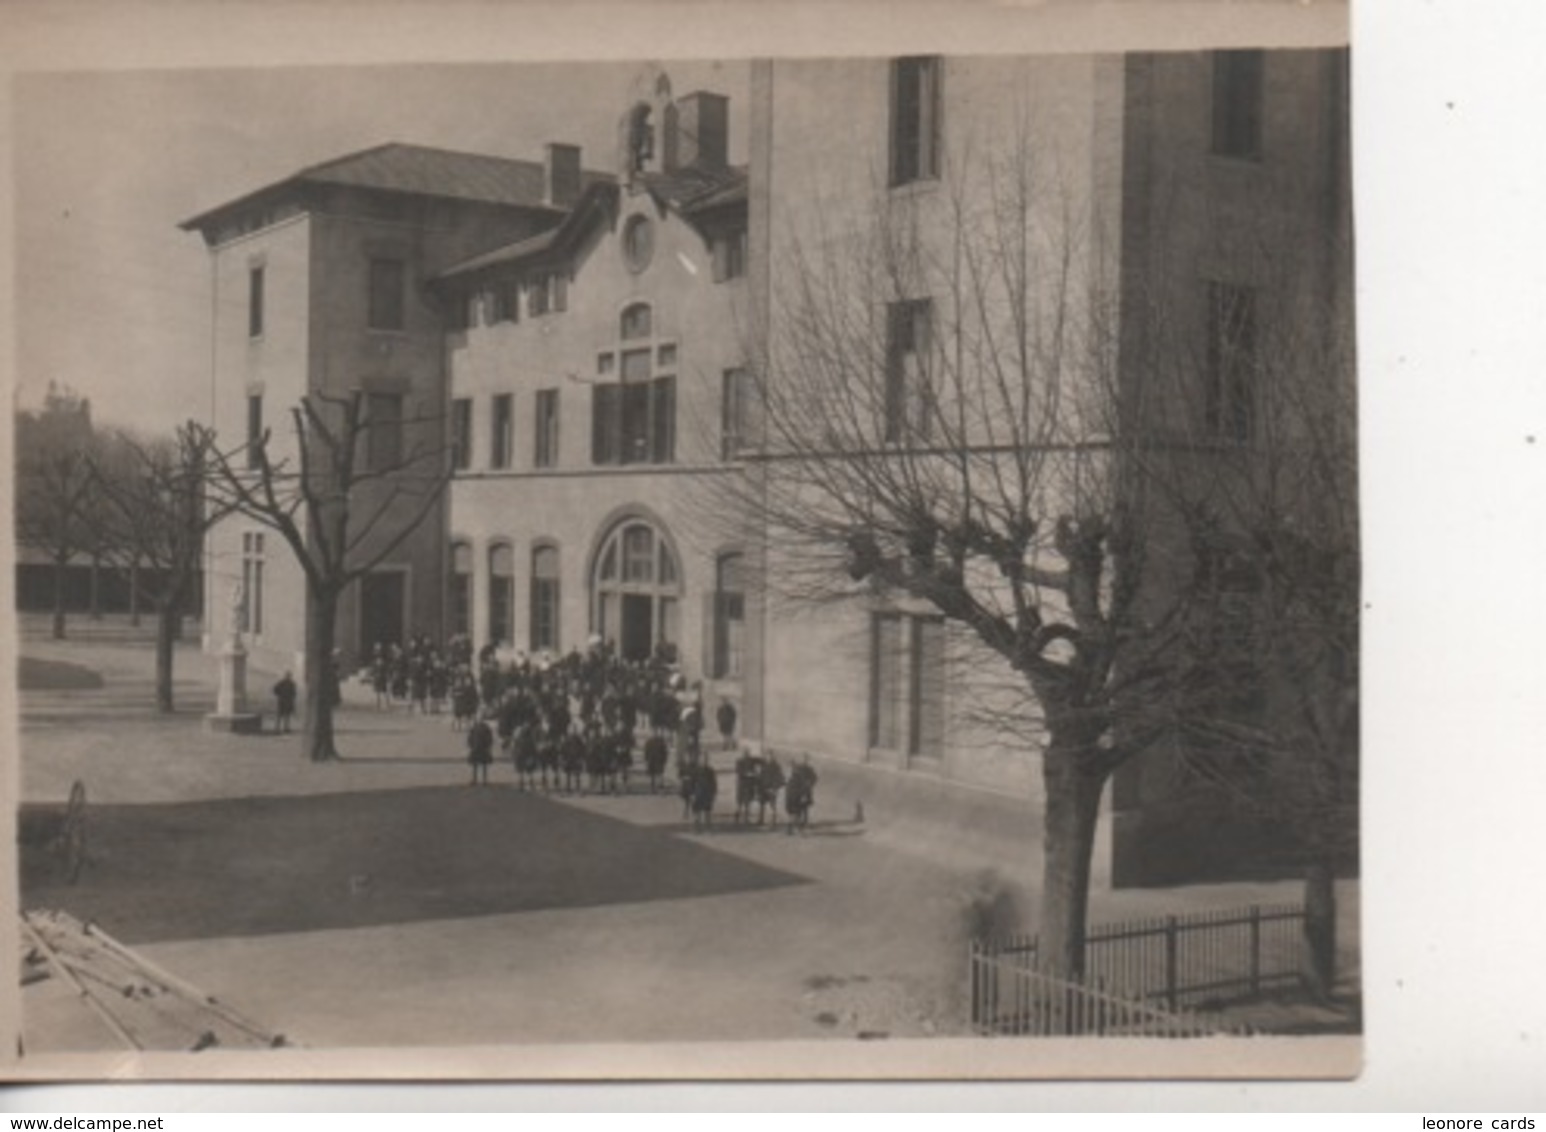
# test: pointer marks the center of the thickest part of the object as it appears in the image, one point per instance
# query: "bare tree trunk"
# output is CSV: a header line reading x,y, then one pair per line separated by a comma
x,y
1072,810
1320,927
59,573
166,633
95,612
321,685
134,593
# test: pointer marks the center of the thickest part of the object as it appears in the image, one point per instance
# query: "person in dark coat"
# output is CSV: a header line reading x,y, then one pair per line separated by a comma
x,y
655,755
480,751
800,795
705,787
725,717
284,703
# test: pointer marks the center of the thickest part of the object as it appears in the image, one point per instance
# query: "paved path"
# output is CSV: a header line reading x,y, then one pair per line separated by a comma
x,y
873,943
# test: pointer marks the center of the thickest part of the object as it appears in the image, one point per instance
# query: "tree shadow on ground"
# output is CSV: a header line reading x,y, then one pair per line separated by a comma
x,y
257,866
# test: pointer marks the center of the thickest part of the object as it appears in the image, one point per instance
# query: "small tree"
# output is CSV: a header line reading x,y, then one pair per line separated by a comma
x,y
156,512
341,510
54,485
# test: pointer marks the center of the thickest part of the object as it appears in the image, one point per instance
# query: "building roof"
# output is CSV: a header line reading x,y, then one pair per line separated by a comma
x,y
690,190
423,171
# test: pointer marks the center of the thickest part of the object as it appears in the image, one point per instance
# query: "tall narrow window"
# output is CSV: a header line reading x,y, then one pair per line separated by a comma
x,y
251,618
507,303
388,281
908,405
915,112
1229,404
546,451
886,658
461,433
383,430
501,432
254,428
255,302
544,599
729,254
729,618
907,685
501,594
734,413
460,597
1237,103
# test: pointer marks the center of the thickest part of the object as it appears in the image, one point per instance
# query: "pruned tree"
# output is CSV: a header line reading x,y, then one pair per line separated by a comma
x,y
156,510
350,495
947,419
54,485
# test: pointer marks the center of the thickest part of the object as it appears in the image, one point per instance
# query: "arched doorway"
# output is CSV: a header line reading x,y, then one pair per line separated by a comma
x,y
637,591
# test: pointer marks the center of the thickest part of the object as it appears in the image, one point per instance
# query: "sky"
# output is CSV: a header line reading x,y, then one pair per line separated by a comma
x,y
107,163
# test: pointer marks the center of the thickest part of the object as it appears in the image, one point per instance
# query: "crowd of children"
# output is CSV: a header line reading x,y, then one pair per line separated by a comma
x,y
584,723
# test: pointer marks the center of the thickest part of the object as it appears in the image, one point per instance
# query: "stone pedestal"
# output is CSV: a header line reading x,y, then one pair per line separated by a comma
x,y
231,712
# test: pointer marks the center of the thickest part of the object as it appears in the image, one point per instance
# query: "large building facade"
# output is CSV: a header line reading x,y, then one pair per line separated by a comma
x,y
585,345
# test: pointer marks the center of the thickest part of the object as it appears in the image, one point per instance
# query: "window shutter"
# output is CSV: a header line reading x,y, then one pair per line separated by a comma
x,y
721,258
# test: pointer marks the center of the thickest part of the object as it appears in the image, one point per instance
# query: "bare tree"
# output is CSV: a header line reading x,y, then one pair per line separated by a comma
x,y
947,419
937,399
343,505
156,511
54,485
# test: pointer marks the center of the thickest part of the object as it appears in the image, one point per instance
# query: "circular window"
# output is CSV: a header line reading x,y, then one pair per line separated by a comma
x,y
638,242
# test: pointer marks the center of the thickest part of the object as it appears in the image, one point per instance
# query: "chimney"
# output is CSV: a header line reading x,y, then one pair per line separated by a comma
x,y
702,129
561,175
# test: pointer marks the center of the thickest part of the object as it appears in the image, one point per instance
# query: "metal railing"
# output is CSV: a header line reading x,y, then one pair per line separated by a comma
x,y
1011,997
1186,960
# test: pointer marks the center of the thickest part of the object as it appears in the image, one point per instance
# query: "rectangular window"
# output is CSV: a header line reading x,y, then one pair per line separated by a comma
x,y
388,281
907,685
254,428
255,302
1229,396
663,420
501,434
729,253
606,436
908,404
546,448
1237,104
461,589
251,616
915,112
886,658
729,619
733,413
461,433
507,303
547,292
383,430
635,422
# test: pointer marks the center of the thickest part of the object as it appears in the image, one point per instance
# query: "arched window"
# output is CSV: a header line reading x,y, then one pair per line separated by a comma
x,y
637,591
501,594
544,599
635,322
459,599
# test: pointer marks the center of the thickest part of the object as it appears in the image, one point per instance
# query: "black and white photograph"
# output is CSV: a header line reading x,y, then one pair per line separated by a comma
x,y
692,565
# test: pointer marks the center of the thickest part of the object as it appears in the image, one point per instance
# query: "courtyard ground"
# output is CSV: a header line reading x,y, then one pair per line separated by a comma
x,y
381,901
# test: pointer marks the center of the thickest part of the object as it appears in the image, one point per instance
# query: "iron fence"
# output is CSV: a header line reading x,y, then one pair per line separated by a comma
x,y
1011,997
1188,960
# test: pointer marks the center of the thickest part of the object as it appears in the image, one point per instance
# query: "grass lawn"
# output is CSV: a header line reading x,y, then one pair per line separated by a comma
x,y
254,866
34,675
